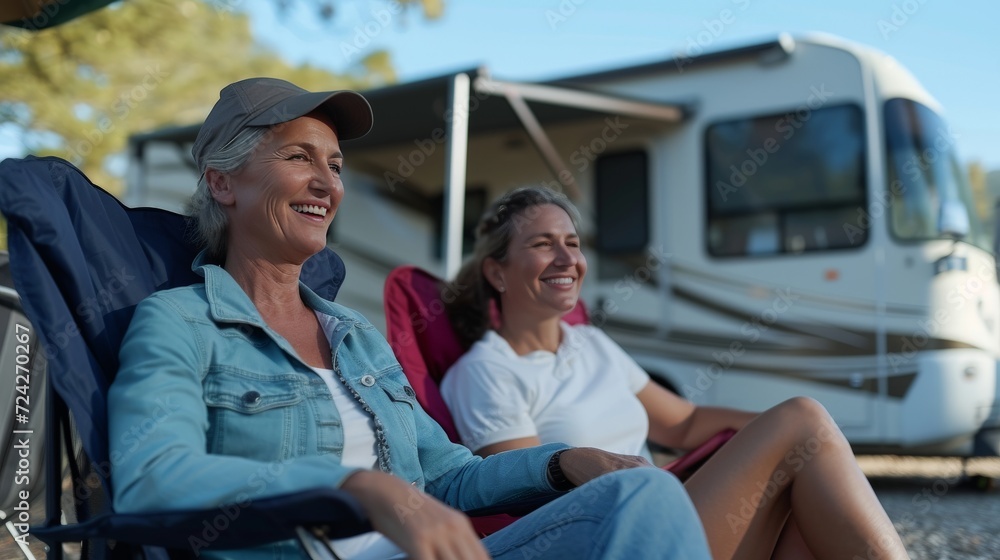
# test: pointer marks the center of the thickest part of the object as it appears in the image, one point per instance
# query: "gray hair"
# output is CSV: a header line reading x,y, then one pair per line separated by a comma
x,y
469,311
210,222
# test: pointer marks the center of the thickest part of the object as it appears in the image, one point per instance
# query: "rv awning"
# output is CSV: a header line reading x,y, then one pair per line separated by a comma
x,y
414,110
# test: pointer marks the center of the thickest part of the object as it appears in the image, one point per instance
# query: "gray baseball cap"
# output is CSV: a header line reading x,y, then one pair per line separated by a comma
x,y
270,101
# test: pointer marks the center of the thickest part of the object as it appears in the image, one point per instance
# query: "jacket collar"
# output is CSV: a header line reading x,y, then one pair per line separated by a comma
x,y
230,304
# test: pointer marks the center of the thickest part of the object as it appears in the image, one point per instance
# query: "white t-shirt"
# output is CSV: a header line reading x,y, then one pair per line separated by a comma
x,y
359,451
358,425
583,395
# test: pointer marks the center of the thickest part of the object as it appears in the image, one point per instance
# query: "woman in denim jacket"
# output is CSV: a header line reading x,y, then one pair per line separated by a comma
x,y
261,387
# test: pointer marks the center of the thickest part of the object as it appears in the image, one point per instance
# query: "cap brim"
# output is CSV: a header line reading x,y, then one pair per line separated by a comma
x,y
349,110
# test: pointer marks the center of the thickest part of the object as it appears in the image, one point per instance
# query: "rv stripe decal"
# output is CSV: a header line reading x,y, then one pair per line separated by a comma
x,y
818,340
761,359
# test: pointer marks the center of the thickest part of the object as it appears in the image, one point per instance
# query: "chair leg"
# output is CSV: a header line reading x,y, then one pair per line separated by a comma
x,y
24,548
53,465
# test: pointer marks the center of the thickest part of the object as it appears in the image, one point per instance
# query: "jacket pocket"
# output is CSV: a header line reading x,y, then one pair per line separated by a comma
x,y
255,416
401,394
403,404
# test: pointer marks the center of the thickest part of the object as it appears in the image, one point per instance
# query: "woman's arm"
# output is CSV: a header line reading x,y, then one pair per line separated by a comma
x,y
519,443
415,521
489,407
680,424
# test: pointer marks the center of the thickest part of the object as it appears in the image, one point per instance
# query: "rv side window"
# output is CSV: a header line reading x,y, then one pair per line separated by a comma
x,y
786,183
622,205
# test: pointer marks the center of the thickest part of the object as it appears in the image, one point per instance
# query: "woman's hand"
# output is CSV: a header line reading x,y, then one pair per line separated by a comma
x,y
581,464
423,527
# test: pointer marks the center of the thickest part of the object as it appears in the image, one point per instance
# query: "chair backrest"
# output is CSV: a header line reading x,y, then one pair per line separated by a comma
x,y
81,262
423,338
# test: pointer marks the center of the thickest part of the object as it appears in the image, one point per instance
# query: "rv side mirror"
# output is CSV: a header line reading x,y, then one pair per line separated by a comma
x,y
954,219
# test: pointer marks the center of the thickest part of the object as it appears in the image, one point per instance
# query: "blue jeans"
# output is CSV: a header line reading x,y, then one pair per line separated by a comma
x,y
635,514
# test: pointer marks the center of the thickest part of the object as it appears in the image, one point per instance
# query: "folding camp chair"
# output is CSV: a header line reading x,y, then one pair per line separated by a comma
x,y
426,345
81,261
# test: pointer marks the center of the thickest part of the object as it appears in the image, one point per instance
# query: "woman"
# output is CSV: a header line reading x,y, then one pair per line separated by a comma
x,y
262,388
536,380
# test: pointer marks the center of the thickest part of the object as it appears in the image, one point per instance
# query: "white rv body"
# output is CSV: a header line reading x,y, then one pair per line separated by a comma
x,y
729,306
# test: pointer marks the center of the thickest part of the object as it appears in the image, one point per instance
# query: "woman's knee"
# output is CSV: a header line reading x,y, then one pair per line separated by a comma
x,y
623,514
644,484
657,502
807,417
805,407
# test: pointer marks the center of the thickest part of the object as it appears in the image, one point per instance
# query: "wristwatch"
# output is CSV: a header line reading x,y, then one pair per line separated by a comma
x,y
557,479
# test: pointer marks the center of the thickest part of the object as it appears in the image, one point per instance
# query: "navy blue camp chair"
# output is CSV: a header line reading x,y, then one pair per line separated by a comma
x,y
81,261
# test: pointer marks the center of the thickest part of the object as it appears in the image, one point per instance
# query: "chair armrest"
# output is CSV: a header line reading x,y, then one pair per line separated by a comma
x,y
257,522
684,466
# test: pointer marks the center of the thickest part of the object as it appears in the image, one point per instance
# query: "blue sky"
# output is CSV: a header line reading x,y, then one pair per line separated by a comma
x,y
953,48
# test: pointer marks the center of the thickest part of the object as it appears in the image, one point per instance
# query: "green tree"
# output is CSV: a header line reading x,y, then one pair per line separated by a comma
x,y
327,9
80,89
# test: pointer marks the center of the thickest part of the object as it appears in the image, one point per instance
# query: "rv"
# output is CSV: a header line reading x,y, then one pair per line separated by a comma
x,y
783,218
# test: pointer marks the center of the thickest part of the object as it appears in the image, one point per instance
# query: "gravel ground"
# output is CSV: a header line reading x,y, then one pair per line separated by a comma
x,y
939,514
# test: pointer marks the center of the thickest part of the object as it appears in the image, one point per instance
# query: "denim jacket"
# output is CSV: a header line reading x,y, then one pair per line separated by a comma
x,y
212,407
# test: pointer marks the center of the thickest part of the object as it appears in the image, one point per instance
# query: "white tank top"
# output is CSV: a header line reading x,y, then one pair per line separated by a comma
x,y
359,451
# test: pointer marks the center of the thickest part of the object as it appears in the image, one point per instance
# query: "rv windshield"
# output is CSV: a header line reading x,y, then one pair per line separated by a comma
x,y
926,185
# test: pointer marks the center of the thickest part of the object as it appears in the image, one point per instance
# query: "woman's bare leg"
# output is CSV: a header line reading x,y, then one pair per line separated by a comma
x,y
791,458
790,545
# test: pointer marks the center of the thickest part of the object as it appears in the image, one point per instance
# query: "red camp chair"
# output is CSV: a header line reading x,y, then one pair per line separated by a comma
x,y
426,345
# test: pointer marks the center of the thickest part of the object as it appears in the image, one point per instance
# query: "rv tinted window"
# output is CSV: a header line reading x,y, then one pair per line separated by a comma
x,y
786,183
622,205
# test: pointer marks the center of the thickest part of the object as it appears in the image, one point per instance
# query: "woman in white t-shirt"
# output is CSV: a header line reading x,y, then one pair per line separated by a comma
x,y
788,478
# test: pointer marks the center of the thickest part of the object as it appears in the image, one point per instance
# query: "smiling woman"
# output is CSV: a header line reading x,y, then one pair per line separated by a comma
x,y
281,203
543,268
266,376
532,379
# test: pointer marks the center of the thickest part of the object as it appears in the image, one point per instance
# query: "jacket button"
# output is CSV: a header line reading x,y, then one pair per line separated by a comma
x,y
368,381
408,390
251,397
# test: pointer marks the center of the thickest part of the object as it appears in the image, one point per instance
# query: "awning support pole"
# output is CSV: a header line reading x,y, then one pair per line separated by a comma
x,y
541,140
456,153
